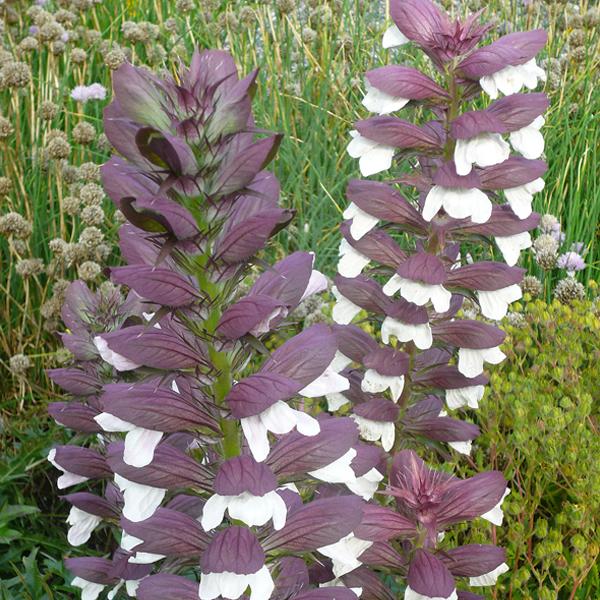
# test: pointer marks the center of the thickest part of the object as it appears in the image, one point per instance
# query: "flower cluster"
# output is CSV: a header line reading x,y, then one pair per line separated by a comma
x,y
210,455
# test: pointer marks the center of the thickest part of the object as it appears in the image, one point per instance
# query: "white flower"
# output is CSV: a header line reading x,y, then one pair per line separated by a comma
x,y
459,203
336,401
351,262
82,524
66,479
329,382
419,293
528,140
405,332
376,430
464,447
366,485
340,361
494,304
373,157
375,383
83,93
129,542
140,443
393,37
114,359
470,360
345,553
466,396
233,585
488,578
252,510
343,310
131,587
89,589
279,418
410,594
362,222
496,515
379,102
520,197
511,246
484,150
264,326
339,471
316,283
339,583
511,79
140,501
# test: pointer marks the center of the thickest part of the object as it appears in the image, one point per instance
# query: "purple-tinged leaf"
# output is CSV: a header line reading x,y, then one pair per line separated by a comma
x,y
404,82
165,586
519,110
381,524
75,415
92,504
472,560
513,172
243,474
485,276
233,550
424,267
363,292
376,245
92,568
247,314
429,576
465,333
475,122
75,380
391,131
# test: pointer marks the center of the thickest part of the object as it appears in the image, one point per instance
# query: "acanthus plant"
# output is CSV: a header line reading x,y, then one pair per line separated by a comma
x,y
212,458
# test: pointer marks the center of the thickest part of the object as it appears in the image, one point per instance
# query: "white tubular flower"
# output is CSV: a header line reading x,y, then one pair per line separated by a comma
x,y
373,431
336,401
381,103
520,197
366,485
373,157
339,471
496,515
489,578
375,383
494,305
393,37
340,361
233,585
419,293
410,594
343,310
129,542
511,246
329,382
470,360
459,203
141,501
511,79
345,553
118,361
131,586
279,418
89,589
483,150
250,509
67,479
405,332
82,524
467,396
351,262
140,443
529,141
362,222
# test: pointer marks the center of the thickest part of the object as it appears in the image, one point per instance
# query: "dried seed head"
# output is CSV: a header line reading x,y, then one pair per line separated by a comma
x,y
28,44
49,110
89,270
545,243
5,186
103,143
91,238
184,6
92,215
89,172
65,17
569,289
6,128
546,259
548,222
247,15
58,148
57,246
309,35
91,194
19,364
114,58
14,224
132,31
531,285
171,25
71,205
69,172
57,47
78,55
28,267
14,74
286,6
51,31
84,133
515,319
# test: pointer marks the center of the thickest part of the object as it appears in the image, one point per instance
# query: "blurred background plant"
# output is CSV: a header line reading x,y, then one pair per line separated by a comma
x,y
56,57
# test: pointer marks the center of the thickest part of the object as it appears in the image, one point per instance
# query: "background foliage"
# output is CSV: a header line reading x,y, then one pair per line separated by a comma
x,y
543,433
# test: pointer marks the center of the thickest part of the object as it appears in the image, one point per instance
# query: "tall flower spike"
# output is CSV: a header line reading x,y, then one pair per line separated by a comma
x,y
403,271
188,423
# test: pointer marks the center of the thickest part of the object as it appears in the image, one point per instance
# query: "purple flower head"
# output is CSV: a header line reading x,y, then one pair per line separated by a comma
x,y
571,261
